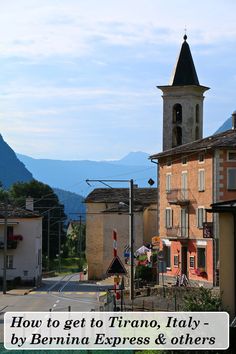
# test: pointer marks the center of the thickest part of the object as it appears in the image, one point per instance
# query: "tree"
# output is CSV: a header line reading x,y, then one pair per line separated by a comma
x,y
202,300
47,204
75,242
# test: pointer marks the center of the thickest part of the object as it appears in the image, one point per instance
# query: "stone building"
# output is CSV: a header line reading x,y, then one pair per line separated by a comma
x,y
182,103
106,210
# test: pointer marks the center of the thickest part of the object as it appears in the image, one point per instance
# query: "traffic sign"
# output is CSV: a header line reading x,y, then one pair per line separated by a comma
x,y
116,267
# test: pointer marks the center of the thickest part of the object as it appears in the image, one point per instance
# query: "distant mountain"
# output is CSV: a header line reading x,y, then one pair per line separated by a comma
x,y
137,158
73,203
71,175
11,168
225,126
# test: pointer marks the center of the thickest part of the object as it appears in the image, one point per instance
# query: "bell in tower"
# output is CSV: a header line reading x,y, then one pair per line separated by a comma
x,y
183,103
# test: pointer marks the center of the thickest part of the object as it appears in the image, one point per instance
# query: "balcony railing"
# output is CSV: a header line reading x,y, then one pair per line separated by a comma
x,y
11,241
178,196
178,231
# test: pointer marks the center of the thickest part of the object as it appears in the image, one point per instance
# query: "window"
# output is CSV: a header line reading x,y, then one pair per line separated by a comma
x,y
200,217
231,155
197,135
9,262
177,114
192,262
201,258
184,222
169,218
25,272
167,255
231,173
184,160
176,260
197,113
184,184
201,157
201,180
176,136
9,231
168,182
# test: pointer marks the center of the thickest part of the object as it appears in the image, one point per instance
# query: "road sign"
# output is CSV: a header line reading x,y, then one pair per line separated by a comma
x,y
116,267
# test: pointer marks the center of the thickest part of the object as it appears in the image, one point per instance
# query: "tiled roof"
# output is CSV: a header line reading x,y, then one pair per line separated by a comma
x,y
15,212
223,140
142,196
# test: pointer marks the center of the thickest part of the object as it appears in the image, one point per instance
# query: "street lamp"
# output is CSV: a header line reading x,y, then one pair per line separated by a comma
x,y
131,223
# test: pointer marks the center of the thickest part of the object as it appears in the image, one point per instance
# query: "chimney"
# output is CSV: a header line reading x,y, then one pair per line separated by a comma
x,y
29,203
234,120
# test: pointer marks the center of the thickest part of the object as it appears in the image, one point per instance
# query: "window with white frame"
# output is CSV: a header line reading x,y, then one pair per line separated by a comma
x,y
184,222
168,182
201,180
184,184
168,218
231,178
9,262
200,217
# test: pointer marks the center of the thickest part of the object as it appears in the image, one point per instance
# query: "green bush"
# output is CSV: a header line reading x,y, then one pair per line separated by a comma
x,y
201,300
144,273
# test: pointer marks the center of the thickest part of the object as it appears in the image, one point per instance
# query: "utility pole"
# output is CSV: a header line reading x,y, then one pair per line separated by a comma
x,y
59,246
131,237
80,237
4,288
48,246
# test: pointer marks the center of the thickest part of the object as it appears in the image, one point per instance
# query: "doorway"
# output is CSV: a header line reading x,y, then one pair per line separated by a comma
x,y
184,260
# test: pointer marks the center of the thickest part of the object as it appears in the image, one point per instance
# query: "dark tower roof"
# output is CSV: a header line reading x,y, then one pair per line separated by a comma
x,y
185,73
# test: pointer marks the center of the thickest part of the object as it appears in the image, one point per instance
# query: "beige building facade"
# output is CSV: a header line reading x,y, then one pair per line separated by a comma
x,y
104,213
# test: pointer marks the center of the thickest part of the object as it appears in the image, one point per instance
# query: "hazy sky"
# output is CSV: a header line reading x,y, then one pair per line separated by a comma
x,y
78,77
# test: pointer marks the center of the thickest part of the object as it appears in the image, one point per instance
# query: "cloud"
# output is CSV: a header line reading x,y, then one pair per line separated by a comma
x,y
45,28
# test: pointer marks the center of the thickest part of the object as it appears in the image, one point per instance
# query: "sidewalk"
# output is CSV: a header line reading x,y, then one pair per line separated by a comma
x,y
18,292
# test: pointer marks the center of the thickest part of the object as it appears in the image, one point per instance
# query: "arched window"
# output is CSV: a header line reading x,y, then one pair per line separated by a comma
x,y
197,113
177,136
177,114
197,133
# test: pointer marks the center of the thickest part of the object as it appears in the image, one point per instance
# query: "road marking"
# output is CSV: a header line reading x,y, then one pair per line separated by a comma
x,y
57,301
69,293
54,305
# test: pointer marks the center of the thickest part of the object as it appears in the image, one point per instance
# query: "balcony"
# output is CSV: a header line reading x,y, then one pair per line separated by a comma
x,y
177,232
178,197
11,241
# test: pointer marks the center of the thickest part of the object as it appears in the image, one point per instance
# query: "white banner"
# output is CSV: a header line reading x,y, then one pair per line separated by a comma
x,y
116,330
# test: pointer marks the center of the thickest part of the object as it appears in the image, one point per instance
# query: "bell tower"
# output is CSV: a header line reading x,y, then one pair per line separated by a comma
x,y
182,103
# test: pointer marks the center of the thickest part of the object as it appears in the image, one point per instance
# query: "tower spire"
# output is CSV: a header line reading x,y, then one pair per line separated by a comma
x,y
184,72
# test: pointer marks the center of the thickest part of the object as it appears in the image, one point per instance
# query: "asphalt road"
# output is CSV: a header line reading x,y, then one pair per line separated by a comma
x,y
56,294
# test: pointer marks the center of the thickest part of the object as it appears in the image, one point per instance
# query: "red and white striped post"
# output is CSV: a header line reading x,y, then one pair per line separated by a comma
x,y
114,233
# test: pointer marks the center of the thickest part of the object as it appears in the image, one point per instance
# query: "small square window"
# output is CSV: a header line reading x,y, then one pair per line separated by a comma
x,y
232,155
184,160
25,272
201,157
